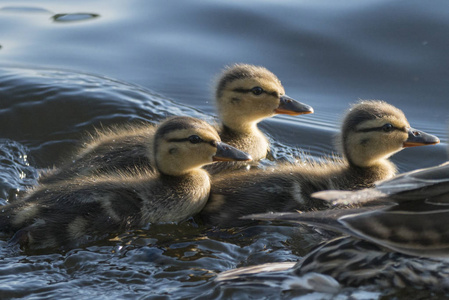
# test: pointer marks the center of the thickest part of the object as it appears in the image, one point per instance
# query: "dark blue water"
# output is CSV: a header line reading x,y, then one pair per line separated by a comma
x,y
70,66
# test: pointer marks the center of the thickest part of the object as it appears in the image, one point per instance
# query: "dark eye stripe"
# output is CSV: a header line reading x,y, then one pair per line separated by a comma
x,y
244,91
188,140
379,129
178,140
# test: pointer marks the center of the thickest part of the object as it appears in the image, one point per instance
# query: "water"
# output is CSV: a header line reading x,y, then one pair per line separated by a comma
x,y
68,67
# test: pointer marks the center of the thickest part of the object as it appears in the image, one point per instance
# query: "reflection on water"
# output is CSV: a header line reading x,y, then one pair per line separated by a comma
x,y
327,54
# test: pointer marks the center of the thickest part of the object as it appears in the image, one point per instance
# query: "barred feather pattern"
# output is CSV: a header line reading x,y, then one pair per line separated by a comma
x,y
354,262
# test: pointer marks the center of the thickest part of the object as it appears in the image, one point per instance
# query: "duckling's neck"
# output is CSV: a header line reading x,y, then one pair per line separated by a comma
x,y
252,141
184,196
248,128
176,174
382,169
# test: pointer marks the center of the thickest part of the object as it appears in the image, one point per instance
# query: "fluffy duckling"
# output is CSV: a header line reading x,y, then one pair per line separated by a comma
x,y
72,211
371,132
245,95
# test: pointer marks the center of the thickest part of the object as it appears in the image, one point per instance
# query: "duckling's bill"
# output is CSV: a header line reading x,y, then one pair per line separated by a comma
x,y
289,106
229,153
420,138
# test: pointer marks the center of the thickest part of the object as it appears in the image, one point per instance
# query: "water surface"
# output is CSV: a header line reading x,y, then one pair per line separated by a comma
x,y
68,67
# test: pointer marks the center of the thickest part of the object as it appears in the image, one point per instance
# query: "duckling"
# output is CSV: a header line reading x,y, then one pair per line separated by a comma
x,y
70,212
245,95
371,132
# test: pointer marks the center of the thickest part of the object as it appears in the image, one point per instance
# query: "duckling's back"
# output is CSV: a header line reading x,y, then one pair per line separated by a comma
x,y
287,188
108,150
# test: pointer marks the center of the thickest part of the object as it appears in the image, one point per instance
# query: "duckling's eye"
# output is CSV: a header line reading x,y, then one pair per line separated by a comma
x,y
194,139
387,127
257,90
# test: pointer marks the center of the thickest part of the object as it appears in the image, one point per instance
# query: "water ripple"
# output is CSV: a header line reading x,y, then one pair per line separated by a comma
x,y
50,110
16,174
74,17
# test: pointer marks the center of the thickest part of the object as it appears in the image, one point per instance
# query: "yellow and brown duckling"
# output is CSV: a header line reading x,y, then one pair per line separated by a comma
x,y
371,132
245,95
67,213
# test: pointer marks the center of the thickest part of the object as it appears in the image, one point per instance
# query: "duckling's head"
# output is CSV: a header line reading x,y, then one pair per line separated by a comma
x,y
182,144
374,130
247,94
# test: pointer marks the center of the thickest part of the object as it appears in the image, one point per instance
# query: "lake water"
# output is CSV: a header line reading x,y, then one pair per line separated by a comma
x,y
69,66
